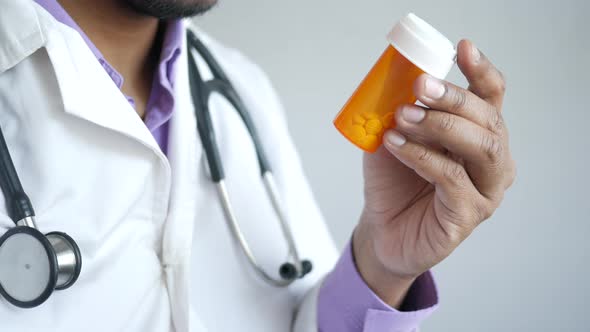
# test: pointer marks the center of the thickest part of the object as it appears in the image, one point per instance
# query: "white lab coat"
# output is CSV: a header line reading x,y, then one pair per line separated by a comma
x,y
157,253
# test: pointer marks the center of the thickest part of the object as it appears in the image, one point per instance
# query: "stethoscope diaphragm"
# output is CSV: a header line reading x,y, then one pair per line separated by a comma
x,y
33,265
28,273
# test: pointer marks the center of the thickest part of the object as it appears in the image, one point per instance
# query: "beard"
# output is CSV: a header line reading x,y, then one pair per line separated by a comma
x,y
170,9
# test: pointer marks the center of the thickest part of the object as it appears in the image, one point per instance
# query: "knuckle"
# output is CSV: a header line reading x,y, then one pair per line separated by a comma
x,y
447,122
425,155
493,147
454,173
496,122
459,100
486,207
484,210
497,82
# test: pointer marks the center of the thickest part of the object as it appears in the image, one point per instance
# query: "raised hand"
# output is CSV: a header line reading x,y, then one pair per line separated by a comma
x,y
441,172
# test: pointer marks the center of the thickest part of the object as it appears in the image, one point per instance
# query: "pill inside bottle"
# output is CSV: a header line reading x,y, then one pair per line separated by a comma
x,y
415,47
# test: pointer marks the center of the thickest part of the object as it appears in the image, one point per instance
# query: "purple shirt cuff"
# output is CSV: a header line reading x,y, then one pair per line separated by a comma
x,y
347,304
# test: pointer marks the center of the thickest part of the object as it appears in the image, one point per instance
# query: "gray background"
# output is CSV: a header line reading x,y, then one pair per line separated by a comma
x,y
527,268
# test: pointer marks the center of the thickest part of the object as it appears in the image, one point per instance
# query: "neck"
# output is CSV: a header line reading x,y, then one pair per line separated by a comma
x,y
125,38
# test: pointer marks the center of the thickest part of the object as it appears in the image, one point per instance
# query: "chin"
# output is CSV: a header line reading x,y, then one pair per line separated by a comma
x,y
171,9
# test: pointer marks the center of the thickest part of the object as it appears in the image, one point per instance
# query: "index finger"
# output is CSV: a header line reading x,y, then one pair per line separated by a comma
x,y
447,97
485,80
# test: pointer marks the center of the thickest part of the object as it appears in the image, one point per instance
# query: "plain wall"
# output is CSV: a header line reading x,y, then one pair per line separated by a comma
x,y
527,268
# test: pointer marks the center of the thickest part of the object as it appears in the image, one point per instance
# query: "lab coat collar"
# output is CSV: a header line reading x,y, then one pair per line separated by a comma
x,y
87,91
25,27
20,33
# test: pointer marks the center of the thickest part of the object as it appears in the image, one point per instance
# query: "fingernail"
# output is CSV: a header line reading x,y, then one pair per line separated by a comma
x,y
413,114
433,88
475,52
394,138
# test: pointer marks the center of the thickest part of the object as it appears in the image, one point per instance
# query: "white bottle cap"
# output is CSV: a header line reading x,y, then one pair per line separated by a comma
x,y
423,45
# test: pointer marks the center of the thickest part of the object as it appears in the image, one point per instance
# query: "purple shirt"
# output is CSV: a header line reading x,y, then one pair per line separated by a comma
x,y
346,303
160,104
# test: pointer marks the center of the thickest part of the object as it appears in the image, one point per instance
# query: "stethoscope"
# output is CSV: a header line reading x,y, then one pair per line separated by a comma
x,y
33,264
201,91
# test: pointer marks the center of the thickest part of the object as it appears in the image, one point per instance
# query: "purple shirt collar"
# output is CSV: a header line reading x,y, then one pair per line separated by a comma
x,y
160,105
60,14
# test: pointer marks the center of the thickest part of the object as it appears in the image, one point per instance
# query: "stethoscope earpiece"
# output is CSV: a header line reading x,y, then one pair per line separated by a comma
x,y
288,271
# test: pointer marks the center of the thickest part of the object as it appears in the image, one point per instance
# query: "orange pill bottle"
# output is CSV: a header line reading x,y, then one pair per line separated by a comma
x,y
415,47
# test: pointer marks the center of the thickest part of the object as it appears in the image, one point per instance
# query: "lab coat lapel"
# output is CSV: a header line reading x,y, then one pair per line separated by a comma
x,y
184,154
88,92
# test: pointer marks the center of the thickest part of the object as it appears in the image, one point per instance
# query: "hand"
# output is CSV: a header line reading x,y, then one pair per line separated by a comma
x,y
439,174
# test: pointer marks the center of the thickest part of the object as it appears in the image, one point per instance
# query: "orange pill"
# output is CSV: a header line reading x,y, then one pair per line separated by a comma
x,y
357,132
358,119
414,48
373,126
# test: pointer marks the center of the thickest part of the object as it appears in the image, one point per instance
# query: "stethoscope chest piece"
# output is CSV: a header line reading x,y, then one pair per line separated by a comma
x,y
28,274
69,259
33,265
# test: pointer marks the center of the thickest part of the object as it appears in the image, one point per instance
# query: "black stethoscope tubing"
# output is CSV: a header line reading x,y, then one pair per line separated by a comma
x,y
200,92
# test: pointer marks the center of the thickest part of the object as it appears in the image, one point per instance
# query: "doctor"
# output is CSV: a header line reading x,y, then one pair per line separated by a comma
x,y
96,110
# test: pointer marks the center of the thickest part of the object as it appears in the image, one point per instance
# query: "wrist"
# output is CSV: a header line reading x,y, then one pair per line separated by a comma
x,y
389,286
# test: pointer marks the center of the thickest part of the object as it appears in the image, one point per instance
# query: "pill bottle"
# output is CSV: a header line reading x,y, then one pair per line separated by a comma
x,y
415,47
